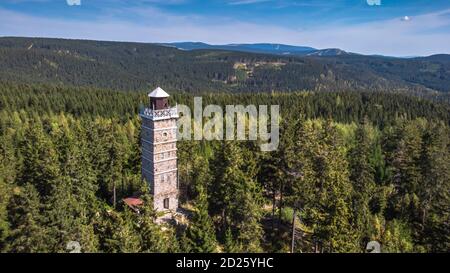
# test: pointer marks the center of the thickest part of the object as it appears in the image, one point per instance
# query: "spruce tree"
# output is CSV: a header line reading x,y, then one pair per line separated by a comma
x,y
403,155
40,160
362,178
229,245
118,232
237,198
200,232
324,188
4,226
153,238
28,235
433,217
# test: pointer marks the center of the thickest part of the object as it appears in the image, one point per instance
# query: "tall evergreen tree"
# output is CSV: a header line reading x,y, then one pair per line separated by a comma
x,y
362,178
237,198
201,233
24,215
118,234
40,160
403,148
433,218
326,197
4,226
154,237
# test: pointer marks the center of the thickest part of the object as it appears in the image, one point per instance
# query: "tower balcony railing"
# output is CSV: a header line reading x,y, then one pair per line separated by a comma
x,y
159,114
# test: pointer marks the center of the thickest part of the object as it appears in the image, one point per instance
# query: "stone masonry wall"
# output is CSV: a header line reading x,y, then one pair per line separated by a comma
x,y
159,161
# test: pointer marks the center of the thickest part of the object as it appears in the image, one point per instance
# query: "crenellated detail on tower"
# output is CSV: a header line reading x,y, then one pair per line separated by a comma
x,y
159,150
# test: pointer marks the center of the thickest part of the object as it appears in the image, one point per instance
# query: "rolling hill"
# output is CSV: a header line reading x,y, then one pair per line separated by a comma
x,y
138,66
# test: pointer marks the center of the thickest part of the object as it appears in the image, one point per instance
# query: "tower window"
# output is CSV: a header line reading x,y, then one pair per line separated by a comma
x,y
166,203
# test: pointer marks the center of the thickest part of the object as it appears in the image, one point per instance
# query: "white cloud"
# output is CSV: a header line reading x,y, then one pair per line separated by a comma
x,y
373,2
247,2
422,36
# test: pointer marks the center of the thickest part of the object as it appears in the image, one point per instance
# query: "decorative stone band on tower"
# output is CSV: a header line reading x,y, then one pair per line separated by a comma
x,y
159,150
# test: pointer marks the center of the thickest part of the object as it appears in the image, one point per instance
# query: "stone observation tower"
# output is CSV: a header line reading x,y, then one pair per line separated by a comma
x,y
159,150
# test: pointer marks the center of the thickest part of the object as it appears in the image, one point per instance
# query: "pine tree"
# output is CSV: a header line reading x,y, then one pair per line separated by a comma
x,y
40,164
184,242
153,238
277,174
201,233
403,155
397,238
324,188
27,231
58,173
229,245
433,218
8,169
362,178
237,198
70,205
118,234
4,226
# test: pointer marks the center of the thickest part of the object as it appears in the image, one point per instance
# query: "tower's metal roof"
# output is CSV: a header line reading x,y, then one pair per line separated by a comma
x,y
158,93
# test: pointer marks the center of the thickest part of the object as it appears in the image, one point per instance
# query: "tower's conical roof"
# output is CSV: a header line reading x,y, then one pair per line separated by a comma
x,y
158,93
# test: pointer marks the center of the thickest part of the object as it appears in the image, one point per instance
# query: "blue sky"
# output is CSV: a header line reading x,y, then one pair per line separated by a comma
x,y
395,27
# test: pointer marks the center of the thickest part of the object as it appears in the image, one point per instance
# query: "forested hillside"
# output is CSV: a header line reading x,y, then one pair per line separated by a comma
x,y
360,165
135,66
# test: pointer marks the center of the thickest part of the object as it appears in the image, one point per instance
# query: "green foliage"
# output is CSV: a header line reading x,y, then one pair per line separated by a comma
x,y
25,220
380,108
362,176
65,151
4,227
118,232
287,214
200,233
236,197
138,66
397,238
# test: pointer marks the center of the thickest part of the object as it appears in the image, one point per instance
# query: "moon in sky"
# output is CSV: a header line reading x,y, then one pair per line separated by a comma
x,y
74,2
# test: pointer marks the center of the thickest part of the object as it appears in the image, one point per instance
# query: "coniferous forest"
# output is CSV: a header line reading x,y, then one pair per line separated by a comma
x,y
358,166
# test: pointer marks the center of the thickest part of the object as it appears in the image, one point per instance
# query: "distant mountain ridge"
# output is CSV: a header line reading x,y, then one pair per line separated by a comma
x,y
142,66
267,48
